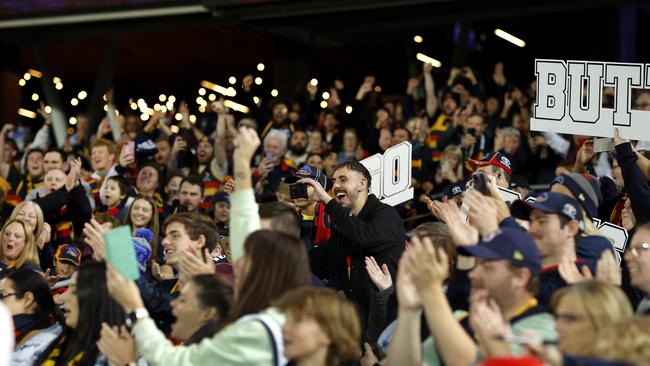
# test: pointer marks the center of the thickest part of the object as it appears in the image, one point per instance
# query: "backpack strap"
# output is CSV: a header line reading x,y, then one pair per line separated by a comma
x,y
274,331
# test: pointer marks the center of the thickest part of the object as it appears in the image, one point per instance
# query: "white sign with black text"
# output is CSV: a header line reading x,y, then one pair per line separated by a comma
x,y
570,98
391,174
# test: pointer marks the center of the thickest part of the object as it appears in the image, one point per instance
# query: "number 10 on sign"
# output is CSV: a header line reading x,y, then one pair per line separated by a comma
x,y
391,174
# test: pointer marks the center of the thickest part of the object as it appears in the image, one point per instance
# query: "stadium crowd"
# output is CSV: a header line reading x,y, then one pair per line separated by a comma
x,y
258,242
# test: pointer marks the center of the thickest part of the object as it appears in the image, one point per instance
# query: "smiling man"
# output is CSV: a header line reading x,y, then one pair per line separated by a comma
x,y
184,232
362,226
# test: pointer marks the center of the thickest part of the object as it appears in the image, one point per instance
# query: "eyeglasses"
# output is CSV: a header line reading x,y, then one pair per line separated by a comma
x,y
637,250
568,318
3,295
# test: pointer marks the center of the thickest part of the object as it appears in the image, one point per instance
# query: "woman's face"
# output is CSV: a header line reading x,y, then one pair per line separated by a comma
x,y
189,313
13,241
574,327
15,305
303,337
452,160
28,214
71,304
141,213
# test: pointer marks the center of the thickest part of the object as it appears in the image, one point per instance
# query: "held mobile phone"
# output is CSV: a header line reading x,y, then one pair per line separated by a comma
x,y
297,190
269,156
471,131
603,144
479,182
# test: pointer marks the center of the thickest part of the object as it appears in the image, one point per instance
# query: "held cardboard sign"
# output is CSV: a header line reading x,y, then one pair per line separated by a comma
x,y
570,97
391,174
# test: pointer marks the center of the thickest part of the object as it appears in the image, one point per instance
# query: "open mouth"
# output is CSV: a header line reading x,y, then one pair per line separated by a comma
x,y
10,247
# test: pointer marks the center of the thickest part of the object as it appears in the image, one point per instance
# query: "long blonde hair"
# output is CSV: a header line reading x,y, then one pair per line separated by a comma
x,y
627,340
29,254
40,220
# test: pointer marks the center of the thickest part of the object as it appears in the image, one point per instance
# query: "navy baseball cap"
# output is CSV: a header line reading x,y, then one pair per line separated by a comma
x,y
549,202
454,190
492,158
220,196
308,172
513,245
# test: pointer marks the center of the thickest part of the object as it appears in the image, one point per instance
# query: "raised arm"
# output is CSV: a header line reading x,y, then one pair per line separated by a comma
x,y
430,90
429,267
224,122
406,346
244,216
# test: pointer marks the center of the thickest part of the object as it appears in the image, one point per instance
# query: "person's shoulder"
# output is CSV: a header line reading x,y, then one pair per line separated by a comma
x,y
30,351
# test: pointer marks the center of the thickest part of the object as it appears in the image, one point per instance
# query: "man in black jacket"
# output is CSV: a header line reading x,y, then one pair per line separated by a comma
x,y
362,226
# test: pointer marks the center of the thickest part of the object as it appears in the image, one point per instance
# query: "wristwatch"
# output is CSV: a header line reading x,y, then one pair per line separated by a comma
x,y
134,316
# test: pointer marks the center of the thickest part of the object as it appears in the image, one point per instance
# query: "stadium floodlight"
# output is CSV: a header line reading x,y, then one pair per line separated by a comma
x,y
510,38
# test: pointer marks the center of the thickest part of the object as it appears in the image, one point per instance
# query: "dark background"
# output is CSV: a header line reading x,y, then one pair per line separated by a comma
x,y
145,55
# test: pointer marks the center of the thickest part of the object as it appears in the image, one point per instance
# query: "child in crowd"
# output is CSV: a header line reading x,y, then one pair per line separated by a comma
x,y
116,196
66,260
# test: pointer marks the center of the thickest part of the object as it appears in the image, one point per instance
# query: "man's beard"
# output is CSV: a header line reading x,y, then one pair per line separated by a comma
x,y
298,150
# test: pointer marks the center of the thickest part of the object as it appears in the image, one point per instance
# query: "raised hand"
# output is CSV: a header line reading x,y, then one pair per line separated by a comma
x,y
379,276
51,280
74,174
117,345
5,129
608,269
127,155
320,192
427,264
407,293
586,152
229,186
46,116
104,127
94,236
570,273
44,236
246,144
247,82
218,107
162,273
482,212
618,139
123,291
460,230
312,90
179,145
193,264
486,317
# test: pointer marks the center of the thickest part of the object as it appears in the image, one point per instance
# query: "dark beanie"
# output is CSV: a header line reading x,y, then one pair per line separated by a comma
x,y
585,188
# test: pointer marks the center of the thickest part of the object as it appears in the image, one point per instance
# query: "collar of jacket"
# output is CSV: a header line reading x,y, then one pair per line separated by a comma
x,y
371,205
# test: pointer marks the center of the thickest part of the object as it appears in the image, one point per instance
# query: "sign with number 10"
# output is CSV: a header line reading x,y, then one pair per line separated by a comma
x,y
391,174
